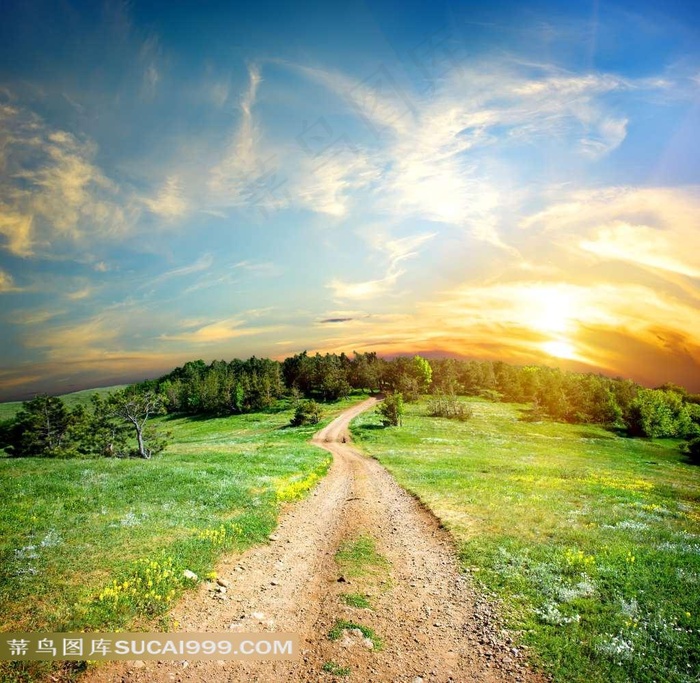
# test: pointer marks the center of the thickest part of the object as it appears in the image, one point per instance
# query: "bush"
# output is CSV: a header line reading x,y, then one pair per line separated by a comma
x,y
447,405
306,413
392,409
656,413
692,450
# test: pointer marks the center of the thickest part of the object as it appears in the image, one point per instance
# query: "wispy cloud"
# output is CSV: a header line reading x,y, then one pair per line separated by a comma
x,y
233,179
7,284
396,251
80,294
217,332
203,263
655,228
51,189
169,202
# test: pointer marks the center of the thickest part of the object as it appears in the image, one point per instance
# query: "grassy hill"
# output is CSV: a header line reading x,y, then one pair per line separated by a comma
x,y
80,538
9,409
591,540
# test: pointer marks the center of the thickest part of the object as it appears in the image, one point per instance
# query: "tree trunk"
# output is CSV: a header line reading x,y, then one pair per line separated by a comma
x,y
142,447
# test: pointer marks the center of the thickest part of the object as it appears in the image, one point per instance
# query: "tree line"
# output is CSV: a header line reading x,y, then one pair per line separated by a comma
x,y
114,426
117,425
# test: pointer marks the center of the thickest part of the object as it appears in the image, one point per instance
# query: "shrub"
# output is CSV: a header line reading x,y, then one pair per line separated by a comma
x,y
391,410
692,450
306,413
447,405
656,413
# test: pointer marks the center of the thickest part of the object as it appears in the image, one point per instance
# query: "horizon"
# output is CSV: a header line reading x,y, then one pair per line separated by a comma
x,y
511,182
123,380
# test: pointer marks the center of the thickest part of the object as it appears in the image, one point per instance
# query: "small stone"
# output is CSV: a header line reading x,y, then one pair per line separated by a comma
x,y
342,579
272,537
221,589
356,632
257,615
418,679
223,582
138,664
190,575
367,642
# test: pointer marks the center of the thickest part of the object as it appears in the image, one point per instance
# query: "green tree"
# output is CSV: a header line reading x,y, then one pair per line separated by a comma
x,y
423,373
40,428
135,408
658,413
306,413
391,410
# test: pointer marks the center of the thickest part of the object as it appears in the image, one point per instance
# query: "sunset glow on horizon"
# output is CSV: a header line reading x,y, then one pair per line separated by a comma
x,y
512,182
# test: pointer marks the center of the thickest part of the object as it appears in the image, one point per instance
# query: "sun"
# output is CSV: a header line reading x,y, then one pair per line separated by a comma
x,y
559,348
552,309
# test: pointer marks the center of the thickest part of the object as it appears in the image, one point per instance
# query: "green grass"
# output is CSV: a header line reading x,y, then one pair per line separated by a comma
x,y
9,409
72,532
343,625
356,600
591,540
335,669
359,557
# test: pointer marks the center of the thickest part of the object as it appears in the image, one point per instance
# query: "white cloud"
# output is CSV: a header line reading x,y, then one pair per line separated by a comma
x,y
7,284
655,228
203,263
234,179
428,158
169,202
217,332
51,189
396,251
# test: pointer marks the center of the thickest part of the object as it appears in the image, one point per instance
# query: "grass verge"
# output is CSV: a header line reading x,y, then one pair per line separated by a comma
x,y
102,544
591,540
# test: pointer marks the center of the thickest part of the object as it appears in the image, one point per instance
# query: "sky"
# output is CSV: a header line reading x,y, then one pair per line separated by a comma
x,y
503,180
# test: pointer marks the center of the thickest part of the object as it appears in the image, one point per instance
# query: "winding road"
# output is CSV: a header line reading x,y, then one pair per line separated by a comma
x,y
432,623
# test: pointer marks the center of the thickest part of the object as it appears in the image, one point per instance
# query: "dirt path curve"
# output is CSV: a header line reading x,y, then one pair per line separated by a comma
x,y
432,625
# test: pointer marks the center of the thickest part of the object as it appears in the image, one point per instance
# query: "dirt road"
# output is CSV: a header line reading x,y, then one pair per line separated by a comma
x,y
432,625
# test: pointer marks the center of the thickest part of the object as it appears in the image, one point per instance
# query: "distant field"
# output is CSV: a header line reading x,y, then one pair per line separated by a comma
x,y
591,540
9,409
74,532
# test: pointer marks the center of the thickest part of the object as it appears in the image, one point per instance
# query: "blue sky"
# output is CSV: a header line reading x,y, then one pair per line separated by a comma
x,y
212,180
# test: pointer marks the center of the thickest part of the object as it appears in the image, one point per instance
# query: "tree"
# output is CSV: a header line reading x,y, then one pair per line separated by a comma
x,y
658,413
40,428
306,413
392,410
423,373
135,408
103,433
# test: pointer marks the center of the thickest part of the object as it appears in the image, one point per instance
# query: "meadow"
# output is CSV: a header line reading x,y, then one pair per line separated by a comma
x,y
92,544
9,409
589,541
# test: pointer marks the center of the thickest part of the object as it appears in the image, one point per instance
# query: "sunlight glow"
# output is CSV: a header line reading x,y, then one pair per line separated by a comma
x,y
559,349
551,309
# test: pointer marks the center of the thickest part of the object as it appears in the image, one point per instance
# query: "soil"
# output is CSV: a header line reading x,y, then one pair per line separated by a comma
x,y
433,625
